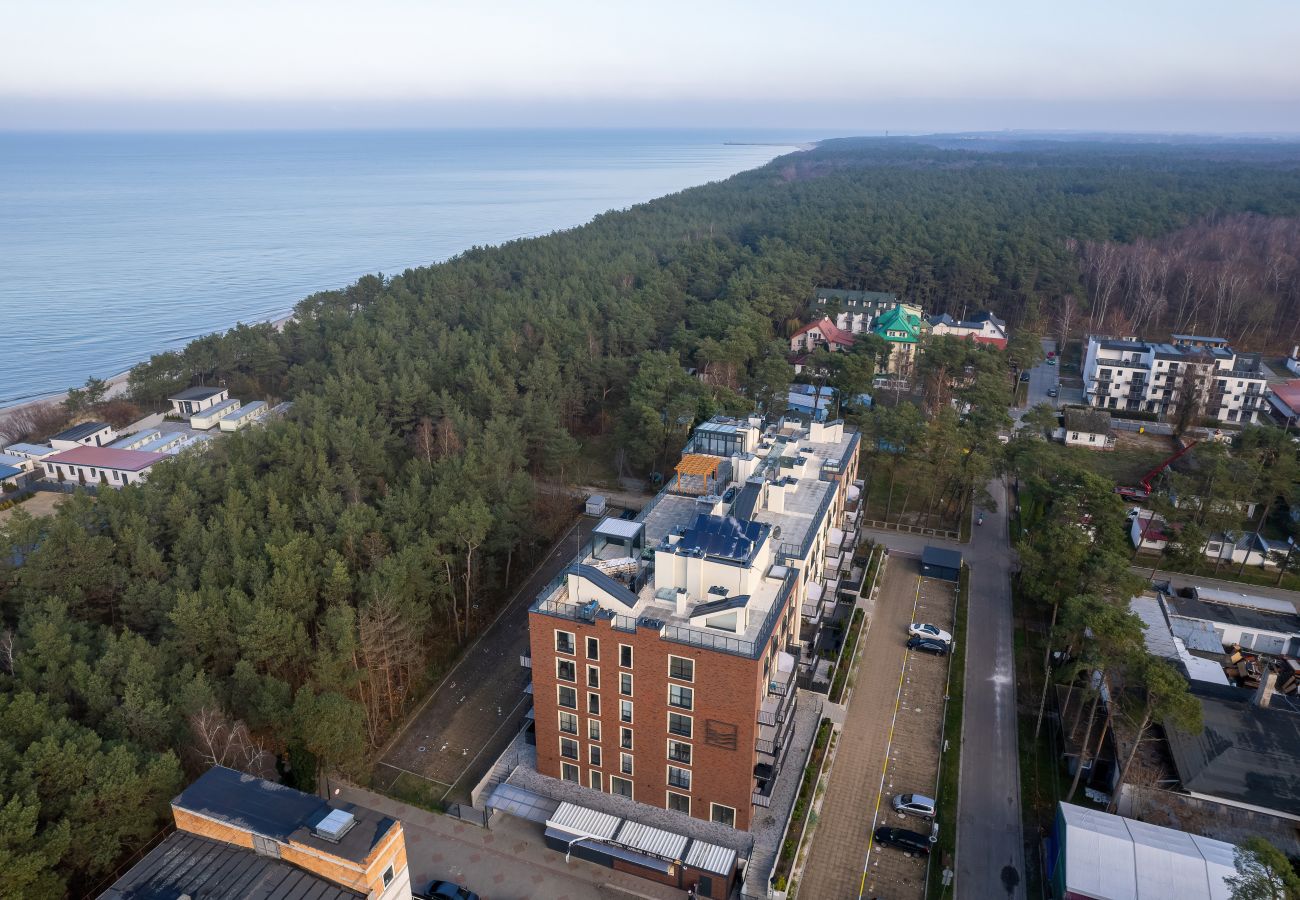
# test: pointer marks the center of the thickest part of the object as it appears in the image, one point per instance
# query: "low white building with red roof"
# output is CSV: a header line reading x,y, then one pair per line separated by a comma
x,y
822,333
100,466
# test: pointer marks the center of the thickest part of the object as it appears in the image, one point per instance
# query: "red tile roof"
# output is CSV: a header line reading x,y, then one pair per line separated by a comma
x,y
1288,392
829,330
107,458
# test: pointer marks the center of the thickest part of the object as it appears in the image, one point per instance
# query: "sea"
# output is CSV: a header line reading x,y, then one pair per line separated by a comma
x,y
117,246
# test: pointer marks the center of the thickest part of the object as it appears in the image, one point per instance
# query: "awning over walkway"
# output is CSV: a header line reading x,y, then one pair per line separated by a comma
x,y
525,804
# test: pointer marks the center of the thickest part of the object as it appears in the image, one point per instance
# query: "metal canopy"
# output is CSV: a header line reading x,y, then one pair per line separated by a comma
x,y
525,804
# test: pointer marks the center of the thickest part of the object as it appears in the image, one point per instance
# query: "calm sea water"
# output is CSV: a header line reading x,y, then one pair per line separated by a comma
x,y
113,247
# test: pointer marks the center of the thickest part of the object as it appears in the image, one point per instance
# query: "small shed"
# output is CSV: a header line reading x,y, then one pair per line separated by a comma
x,y
1089,428
941,563
596,505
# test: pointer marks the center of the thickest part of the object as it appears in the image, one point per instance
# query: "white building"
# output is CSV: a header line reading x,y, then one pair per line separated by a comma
x,y
33,453
1262,624
211,415
1088,428
982,328
100,466
245,415
87,434
1129,375
192,401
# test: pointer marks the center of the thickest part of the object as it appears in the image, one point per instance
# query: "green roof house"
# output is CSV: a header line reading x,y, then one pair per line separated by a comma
x,y
903,327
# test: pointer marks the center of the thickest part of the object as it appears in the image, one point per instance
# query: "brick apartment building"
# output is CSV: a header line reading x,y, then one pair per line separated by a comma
x,y
238,836
665,659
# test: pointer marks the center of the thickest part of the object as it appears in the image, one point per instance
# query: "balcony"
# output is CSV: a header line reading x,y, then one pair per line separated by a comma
x,y
761,799
525,661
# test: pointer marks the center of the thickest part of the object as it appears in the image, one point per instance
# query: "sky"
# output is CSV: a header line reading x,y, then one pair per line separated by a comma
x,y
853,67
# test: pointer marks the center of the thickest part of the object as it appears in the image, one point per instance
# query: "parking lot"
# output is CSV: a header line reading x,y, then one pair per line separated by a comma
x,y
889,745
914,748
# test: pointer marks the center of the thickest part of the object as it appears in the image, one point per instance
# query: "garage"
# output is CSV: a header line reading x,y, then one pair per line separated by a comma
x,y
937,562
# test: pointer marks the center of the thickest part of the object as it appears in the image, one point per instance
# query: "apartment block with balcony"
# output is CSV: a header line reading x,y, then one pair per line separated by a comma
x,y
665,659
1131,375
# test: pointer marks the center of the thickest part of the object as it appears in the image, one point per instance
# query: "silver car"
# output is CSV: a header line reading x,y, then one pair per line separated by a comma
x,y
917,805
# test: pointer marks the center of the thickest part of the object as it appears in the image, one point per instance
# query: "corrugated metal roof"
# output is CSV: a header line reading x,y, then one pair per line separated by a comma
x,y
636,836
30,450
221,409
711,858
106,458
581,820
187,864
619,528
77,432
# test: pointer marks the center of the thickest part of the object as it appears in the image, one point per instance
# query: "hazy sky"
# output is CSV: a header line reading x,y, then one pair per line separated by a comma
x,y
849,66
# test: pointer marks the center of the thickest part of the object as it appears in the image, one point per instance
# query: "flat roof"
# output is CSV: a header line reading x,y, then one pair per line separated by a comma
x,y
941,556
9,471
611,526
274,810
187,864
197,393
30,450
219,410
106,458
77,432
1231,614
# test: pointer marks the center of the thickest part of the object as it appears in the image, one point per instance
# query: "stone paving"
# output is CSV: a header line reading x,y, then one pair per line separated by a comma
x,y
509,861
854,802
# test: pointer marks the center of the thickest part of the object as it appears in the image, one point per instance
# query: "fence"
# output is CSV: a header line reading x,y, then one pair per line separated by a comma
x,y
911,529
469,814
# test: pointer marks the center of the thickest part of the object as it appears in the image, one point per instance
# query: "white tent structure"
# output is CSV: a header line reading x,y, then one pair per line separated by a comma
x,y
1103,857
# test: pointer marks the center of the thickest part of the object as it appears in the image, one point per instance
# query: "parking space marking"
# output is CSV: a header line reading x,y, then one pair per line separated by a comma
x,y
875,813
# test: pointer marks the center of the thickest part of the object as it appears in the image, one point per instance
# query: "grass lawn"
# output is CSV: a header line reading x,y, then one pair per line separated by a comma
x,y
950,762
1134,456
1227,572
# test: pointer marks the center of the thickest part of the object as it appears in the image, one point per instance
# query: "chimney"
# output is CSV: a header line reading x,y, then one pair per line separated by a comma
x,y
683,603
1264,693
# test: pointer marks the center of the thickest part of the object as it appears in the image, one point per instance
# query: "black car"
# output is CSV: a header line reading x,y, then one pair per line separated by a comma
x,y
928,645
1024,376
445,890
1052,392
908,841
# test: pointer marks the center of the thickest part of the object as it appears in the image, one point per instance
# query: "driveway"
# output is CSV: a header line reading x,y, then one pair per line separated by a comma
x,y
471,716
1041,378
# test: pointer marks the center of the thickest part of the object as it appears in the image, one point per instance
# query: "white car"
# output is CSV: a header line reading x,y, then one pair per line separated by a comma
x,y
926,630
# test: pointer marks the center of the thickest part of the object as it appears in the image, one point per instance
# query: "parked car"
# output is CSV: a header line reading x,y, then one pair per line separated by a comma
x,y
445,890
1051,360
928,645
627,515
1053,392
909,842
925,629
914,805
1024,376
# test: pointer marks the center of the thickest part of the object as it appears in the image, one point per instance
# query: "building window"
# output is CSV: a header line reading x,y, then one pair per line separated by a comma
x,y
565,670
681,669
625,656
593,729
568,723
625,711
595,781
593,648
593,676
679,803
679,752
564,642
625,683
593,756
679,778
679,725
1074,436
620,786
568,697
625,738
680,697
568,748
569,772
388,876
625,763
593,704
723,815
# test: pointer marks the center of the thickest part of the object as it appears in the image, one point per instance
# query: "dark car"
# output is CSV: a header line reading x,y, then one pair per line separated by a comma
x,y
907,841
1024,376
1052,392
445,890
928,645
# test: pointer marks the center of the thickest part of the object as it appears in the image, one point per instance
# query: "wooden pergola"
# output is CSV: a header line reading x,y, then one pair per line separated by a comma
x,y
697,473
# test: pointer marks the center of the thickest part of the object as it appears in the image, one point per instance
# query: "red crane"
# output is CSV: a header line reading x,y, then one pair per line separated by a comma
x,y
1143,492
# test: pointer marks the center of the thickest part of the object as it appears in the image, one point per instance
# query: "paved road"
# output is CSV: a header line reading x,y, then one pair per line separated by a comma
x,y
1178,580
1041,377
990,844
470,718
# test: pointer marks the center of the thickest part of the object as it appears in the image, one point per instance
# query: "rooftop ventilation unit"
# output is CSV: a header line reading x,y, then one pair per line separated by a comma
x,y
338,823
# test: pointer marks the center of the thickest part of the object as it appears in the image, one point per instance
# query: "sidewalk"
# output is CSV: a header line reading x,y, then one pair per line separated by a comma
x,y
509,861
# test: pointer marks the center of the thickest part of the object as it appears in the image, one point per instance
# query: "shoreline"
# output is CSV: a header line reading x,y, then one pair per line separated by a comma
x,y
116,383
